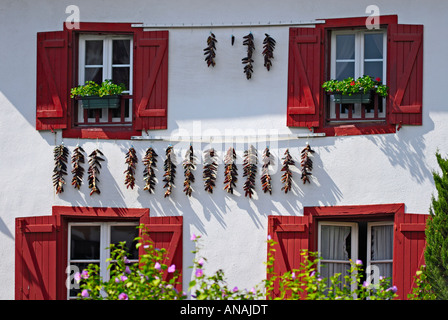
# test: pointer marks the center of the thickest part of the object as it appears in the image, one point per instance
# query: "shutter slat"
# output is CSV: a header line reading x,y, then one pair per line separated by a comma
x,y
43,228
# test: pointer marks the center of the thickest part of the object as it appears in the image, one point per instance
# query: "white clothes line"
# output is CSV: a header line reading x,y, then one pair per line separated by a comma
x,y
228,25
229,139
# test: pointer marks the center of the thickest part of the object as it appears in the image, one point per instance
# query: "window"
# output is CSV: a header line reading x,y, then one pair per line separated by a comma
x,y
89,243
355,54
102,58
370,242
341,47
99,51
47,245
388,241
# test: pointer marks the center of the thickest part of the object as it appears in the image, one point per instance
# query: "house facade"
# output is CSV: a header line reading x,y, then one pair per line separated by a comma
x,y
239,87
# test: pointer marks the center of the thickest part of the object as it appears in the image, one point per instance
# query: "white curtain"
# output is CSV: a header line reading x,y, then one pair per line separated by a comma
x,y
334,241
382,248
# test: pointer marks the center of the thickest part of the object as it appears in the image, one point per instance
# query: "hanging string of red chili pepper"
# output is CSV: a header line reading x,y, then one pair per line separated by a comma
x,y
210,168
247,61
306,163
94,170
189,166
170,171
287,173
78,171
60,153
265,175
268,51
250,170
209,51
230,171
131,161
150,162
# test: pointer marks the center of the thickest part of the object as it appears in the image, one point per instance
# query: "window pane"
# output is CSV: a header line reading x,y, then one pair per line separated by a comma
x,y
121,52
345,70
128,234
85,243
121,75
374,69
345,46
94,52
373,46
382,242
93,74
335,242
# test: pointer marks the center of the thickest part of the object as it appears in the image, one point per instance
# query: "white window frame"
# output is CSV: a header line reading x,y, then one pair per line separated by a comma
x,y
105,236
369,243
359,62
107,70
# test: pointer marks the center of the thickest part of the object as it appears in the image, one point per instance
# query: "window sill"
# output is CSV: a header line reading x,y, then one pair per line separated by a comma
x,y
118,132
356,129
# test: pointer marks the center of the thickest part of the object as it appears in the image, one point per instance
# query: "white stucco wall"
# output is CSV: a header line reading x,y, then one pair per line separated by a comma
x,y
355,170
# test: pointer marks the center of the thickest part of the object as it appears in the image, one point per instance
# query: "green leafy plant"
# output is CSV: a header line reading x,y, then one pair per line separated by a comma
x,y
145,280
91,88
306,282
350,86
140,281
422,289
436,232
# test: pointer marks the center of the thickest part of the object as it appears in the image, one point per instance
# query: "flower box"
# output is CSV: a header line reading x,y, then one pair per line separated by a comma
x,y
104,102
360,97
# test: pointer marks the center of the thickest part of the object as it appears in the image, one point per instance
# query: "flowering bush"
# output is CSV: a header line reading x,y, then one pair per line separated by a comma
x,y
142,281
145,280
350,86
306,283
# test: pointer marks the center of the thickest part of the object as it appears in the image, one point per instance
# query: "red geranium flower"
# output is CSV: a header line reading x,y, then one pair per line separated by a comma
x,y
378,79
352,83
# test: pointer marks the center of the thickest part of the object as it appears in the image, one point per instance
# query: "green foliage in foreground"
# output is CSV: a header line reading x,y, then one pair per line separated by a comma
x,y
145,280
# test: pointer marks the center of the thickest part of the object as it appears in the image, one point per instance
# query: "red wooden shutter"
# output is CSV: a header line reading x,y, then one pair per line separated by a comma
x,y
52,80
292,234
166,232
151,80
36,258
304,77
409,245
405,73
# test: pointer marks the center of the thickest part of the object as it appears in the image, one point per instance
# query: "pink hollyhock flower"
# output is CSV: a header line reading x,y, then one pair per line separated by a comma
x,y
199,273
157,266
172,268
123,296
85,293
